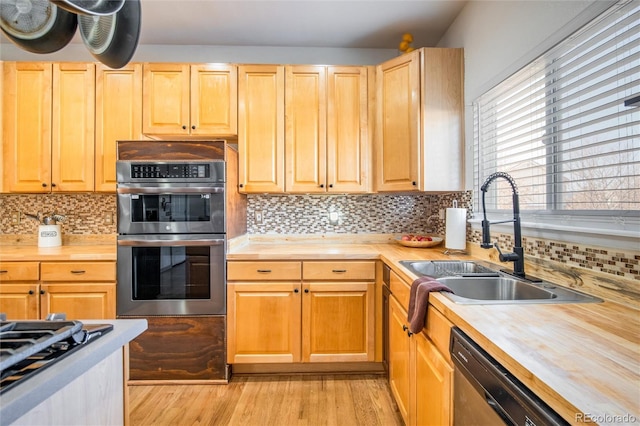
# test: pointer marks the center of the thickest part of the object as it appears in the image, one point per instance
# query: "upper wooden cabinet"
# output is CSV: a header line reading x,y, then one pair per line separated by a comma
x,y
190,100
48,118
327,144
420,122
261,128
118,117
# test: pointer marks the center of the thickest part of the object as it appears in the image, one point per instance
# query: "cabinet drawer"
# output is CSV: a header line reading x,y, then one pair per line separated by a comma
x,y
78,271
339,271
263,271
19,271
400,290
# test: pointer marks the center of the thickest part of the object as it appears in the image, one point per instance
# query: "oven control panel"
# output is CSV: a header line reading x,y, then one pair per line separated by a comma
x,y
173,170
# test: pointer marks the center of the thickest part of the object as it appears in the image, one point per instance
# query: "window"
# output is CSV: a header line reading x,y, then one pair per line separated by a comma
x,y
561,129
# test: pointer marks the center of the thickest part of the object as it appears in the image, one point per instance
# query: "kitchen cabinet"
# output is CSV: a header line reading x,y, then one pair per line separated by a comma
x,y
338,311
261,128
420,370
263,312
48,118
19,290
419,142
279,314
326,142
118,117
190,99
81,290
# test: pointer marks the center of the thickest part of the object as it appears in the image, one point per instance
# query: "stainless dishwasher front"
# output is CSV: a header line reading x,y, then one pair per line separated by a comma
x,y
485,393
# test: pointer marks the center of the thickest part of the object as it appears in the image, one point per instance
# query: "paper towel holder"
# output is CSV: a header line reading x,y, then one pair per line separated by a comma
x,y
449,232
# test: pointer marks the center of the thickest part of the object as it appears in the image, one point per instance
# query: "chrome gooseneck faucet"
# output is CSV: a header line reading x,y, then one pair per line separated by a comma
x,y
517,257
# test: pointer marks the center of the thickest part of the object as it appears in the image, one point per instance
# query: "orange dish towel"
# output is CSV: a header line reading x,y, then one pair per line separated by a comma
x,y
419,301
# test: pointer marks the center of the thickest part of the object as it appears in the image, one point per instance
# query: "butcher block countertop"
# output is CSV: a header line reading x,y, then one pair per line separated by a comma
x,y
21,248
581,359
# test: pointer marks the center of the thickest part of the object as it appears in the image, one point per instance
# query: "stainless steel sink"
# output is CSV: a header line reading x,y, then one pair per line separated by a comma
x,y
447,268
474,283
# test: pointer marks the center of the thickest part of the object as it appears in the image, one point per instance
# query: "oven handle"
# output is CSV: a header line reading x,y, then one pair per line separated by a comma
x,y
166,190
167,243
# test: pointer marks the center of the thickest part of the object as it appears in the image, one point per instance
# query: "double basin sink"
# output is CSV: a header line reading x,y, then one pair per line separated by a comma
x,y
475,283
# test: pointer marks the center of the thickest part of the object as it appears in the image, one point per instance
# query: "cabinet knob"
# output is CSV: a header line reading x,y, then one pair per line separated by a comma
x,y
44,185
322,185
53,185
31,291
41,291
306,290
193,127
414,183
241,185
184,127
295,290
330,185
409,333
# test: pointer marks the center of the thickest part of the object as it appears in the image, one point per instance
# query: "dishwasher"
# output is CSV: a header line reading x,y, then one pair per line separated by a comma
x,y
485,393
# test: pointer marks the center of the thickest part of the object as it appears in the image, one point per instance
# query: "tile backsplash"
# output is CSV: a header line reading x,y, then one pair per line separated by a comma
x,y
354,214
95,214
86,214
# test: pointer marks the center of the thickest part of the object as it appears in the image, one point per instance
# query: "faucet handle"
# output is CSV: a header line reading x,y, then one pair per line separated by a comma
x,y
506,257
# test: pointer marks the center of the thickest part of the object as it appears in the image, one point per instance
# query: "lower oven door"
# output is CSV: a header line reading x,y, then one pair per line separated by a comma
x,y
182,274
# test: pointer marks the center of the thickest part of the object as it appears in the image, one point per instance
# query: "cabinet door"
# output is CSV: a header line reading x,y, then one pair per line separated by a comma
x,y
306,129
433,377
166,99
399,358
398,124
20,301
338,322
348,143
261,128
27,126
118,117
73,135
79,300
263,322
214,100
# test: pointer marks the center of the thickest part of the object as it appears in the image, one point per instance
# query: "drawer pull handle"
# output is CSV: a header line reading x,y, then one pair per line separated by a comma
x,y
4,271
264,271
339,271
77,272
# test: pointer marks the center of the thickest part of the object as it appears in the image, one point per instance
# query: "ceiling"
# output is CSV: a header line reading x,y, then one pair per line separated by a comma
x,y
376,24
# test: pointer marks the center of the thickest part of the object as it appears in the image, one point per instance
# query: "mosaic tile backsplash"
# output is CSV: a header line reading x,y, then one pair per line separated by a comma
x,y
89,214
353,214
86,214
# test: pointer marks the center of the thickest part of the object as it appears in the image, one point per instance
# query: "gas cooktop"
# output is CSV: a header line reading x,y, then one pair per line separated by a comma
x,y
27,347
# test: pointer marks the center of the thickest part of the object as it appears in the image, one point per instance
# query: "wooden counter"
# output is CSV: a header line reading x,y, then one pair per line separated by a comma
x,y
25,248
582,359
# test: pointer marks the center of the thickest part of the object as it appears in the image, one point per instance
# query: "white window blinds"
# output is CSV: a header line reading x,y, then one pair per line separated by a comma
x,y
560,126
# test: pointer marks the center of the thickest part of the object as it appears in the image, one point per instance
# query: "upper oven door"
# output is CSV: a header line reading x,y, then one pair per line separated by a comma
x,y
170,208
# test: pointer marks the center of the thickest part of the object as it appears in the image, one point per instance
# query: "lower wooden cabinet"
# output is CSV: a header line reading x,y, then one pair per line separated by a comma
x,y
276,316
80,290
420,375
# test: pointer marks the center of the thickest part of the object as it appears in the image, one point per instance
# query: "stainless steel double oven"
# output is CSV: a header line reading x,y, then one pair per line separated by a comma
x,y
171,237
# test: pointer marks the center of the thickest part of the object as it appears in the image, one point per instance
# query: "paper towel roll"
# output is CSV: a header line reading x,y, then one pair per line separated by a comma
x,y
456,229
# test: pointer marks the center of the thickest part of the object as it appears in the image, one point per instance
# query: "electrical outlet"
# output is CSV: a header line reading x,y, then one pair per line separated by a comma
x,y
108,218
441,214
15,218
334,218
258,217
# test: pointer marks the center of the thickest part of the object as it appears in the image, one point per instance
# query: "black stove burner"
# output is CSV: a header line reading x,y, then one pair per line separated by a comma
x,y
28,347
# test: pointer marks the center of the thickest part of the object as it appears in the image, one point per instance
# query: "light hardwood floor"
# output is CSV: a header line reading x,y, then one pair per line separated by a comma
x,y
269,400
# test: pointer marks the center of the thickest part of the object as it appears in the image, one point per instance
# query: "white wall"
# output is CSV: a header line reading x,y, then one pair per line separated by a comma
x,y
224,54
500,37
